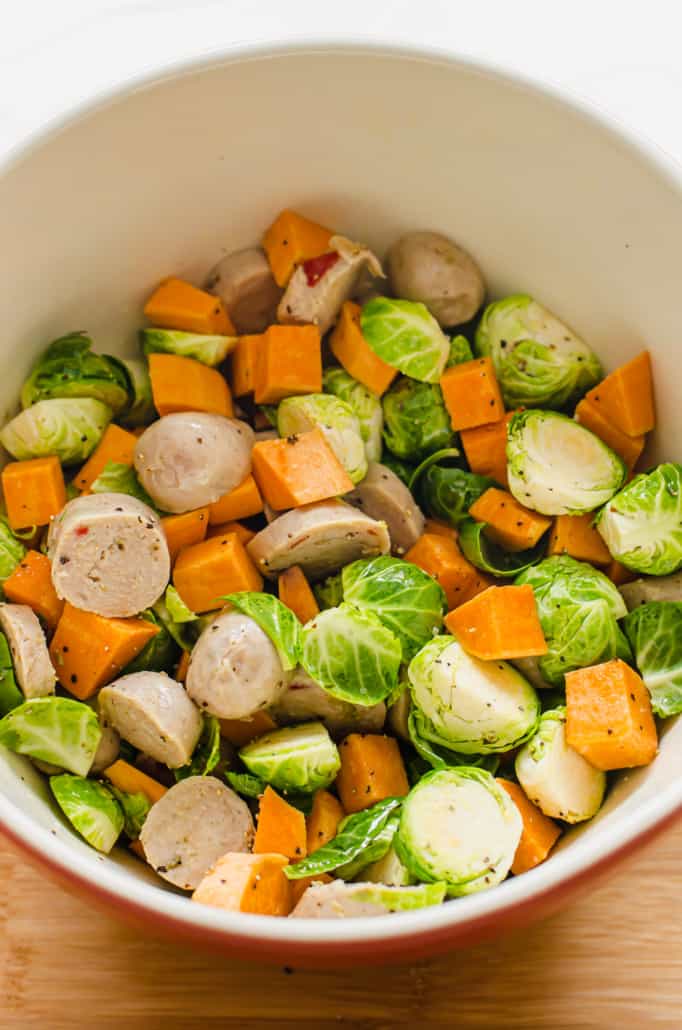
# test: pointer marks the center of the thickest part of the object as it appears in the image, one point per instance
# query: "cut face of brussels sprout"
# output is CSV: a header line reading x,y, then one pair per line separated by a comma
x,y
555,777
57,730
364,404
275,619
71,428
459,827
90,808
578,607
340,900
642,525
416,422
654,631
298,758
355,836
406,599
11,550
209,350
117,478
488,557
557,467
140,410
337,421
539,361
406,336
351,654
68,368
469,705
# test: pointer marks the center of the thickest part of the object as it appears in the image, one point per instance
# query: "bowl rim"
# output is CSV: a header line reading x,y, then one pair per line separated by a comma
x,y
586,857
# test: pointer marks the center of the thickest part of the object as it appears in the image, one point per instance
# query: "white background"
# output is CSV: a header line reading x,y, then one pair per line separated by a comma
x,y
622,55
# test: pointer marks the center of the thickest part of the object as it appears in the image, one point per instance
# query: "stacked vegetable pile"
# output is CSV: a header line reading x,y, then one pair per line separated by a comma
x,y
323,608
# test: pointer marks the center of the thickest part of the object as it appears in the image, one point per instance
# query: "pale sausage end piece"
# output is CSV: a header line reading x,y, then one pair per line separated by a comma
x,y
338,900
321,538
191,458
652,588
383,496
245,284
429,267
234,670
153,713
31,659
109,555
305,699
193,825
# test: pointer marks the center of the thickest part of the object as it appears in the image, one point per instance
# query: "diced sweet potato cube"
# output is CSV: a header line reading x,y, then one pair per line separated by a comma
x,y
183,384
288,362
243,363
323,821
241,732
501,622
351,350
472,394
243,532
485,448
176,304
608,716
371,769
435,526
629,448
626,397
508,523
247,883
240,503
298,470
182,667
539,834
34,491
619,574
575,535
184,530
31,584
442,559
295,592
133,781
280,828
291,240
205,572
117,445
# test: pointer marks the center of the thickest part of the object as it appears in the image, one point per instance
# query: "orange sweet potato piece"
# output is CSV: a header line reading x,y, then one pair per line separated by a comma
x,y
241,732
501,622
247,883
88,650
31,584
351,350
116,445
243,532
240,503
298,470
182,667
204,572
371,769
133,781
472,394
280,828
439,528
183,384
627,447
608,716
619,574
508,523
292,239
184,530
539,834
323,821
442,559
243,363
294,591
626,397
485,448
176,304
575,535
288,362
34,491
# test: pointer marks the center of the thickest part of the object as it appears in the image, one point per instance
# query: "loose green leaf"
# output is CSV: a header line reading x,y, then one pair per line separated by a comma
x,y
489,557
406,336
355,835
206,754
276,620
57,730
91,808
654,631
135,808
68,368
372,853
118,478
209,350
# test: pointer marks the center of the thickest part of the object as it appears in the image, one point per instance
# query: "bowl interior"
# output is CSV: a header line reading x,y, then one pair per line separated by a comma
x,y
171,175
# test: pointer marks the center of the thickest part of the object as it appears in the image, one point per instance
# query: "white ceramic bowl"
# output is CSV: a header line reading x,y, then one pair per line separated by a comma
x,y
173,171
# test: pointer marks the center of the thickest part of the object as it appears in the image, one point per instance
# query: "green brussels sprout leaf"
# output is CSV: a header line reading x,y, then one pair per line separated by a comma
x,y
68,368
416,422
460,351
206,754
642,525
91,808
295,759
446,491
276,620
11,550
140,410
355,835
250,786
209,350
135,808
118,478
365,405
402,469
491,558
55,729
329,592
405,335
372,853
437,755
160,654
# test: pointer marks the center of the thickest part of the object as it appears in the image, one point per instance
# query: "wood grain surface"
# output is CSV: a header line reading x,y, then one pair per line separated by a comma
x,y
613,961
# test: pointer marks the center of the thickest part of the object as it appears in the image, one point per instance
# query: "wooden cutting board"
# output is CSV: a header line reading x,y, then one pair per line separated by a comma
x,y
613,961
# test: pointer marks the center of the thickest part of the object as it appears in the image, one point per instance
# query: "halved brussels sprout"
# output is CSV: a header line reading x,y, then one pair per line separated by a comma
x,y
351,654
209,350
555,777
539,361
459,827
365,405
337,421
68,368
578,607
405,335
405,598
654,631
276,620
557,467
642,525
11,550
71,428
140,410
297,758
445,489
491,558
416,422
468,705
91,809
57,730
433,755
118,478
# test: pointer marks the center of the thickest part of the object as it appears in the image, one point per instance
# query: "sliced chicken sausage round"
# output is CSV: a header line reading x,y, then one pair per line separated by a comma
x,y
383,496
32,665
193,825
245,284
109,555
154,714
190,458
321,538
234,669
